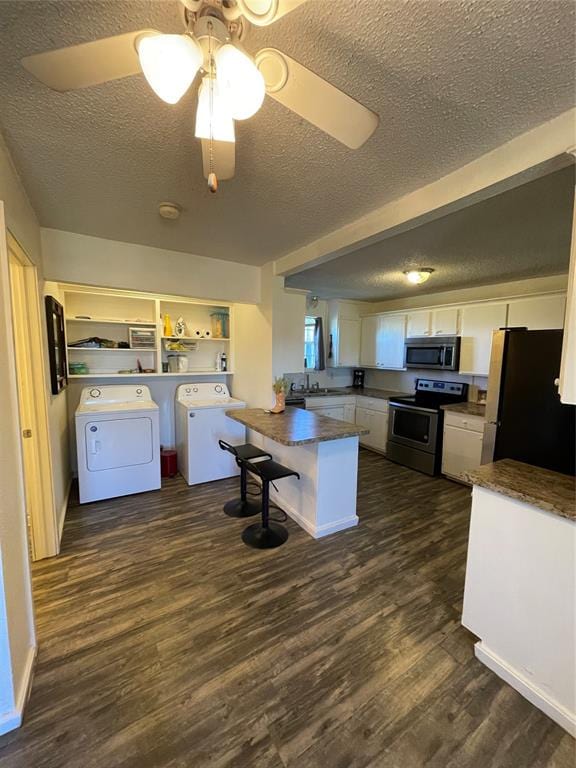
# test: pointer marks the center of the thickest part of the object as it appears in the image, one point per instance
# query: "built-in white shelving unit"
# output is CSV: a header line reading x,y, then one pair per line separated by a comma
x,y
107,314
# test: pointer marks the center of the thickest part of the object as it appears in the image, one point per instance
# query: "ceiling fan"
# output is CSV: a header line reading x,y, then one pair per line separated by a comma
x,y
232,83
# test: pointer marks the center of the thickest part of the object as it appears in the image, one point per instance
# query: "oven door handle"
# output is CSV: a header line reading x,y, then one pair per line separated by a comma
x,y
412,408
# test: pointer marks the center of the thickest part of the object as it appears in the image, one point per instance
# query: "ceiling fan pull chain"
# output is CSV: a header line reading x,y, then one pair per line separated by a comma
x,y
212,179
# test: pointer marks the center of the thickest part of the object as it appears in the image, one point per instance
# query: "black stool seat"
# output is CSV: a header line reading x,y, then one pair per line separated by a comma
x,y
268,534
271,470
243,507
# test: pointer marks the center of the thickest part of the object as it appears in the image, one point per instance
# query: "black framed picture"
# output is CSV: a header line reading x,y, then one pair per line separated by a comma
x,y
56,344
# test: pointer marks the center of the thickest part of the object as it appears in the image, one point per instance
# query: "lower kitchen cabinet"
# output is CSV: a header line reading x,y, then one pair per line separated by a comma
x,y
342,408
462,445
374,420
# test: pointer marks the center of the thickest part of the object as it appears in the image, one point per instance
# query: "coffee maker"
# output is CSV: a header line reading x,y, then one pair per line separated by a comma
x,y
358,380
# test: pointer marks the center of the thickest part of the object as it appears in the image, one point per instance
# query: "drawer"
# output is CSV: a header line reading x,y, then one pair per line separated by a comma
x,y
463,421
372,403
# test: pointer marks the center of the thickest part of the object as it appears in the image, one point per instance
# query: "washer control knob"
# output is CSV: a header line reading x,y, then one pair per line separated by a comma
x,y
95,393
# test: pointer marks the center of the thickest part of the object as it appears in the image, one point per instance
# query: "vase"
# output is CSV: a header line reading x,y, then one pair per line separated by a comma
x,y
280,405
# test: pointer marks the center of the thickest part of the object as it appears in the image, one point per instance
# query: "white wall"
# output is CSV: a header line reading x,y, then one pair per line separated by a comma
x,y
72,258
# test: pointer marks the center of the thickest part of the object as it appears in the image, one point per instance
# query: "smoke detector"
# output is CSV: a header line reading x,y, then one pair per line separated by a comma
x,y
169,211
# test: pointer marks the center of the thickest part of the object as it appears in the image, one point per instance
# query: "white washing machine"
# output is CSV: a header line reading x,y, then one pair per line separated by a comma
x,y
201,421
117,442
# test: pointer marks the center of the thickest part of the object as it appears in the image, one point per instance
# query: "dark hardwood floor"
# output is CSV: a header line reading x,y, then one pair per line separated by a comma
x,y
164,641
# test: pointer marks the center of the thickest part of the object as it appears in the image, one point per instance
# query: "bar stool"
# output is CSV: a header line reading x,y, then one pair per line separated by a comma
x,y
243,507
268,534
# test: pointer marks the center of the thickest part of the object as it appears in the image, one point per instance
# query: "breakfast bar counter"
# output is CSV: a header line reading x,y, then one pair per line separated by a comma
x,y
324,451
295,426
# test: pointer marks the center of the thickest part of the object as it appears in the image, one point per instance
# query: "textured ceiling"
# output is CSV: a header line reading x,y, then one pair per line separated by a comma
x,y
522,233
450,81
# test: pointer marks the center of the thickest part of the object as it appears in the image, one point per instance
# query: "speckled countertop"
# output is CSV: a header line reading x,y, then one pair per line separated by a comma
x,y
470,409
295,426
543,488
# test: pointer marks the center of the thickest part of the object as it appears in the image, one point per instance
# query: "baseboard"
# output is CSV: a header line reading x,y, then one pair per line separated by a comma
x,y
526,688
317,532
63,510
13,719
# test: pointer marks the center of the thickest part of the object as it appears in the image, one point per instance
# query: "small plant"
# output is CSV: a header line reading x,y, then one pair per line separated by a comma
x,y
281,385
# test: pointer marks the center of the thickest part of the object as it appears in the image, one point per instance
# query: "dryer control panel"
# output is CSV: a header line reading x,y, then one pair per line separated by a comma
x,y
128,393
202,391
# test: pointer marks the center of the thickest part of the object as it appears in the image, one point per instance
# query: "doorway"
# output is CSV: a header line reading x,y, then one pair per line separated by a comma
x,y
32,403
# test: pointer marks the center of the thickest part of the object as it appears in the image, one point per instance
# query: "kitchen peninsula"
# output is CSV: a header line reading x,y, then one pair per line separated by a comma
x,y
323,451
520,593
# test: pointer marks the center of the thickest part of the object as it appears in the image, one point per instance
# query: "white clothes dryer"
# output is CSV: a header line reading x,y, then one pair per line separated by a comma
x,y
117,442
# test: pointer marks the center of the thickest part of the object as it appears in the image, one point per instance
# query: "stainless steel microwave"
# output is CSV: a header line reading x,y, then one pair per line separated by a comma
x,y
440,353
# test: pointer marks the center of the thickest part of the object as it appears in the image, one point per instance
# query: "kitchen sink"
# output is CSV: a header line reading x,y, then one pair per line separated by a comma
x,y
323,391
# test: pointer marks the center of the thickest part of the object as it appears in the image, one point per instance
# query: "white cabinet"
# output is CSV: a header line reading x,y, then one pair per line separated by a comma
x,y
478,322
333,411
372,413
390,341
462,445
344,328
437,322
445,322
368,341
418,324
537,314
382,341
341,407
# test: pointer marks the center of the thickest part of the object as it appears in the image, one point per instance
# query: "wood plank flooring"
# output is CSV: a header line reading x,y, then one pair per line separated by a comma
x,y
165,642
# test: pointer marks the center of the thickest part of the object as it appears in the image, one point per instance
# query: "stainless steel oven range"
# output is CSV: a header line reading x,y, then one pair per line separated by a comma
x,y
415,424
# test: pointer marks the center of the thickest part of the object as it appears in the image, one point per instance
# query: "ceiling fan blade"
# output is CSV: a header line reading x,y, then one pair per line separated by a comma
x,y
315,99
81,66
223,159
265,12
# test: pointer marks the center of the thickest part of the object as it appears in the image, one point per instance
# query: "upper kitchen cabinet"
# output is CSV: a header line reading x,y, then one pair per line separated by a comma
x,y
436,322
369,336
445,322
382,341
540,313
344,329
419,324
478,322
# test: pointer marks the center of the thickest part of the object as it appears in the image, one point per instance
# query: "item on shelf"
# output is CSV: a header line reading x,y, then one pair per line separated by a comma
x,y
167,326
197,333
165,368
219,325
142,338
177,363
123,345
93,342
180,327
148,370
182,345
124,371
206,333
221,361
78,369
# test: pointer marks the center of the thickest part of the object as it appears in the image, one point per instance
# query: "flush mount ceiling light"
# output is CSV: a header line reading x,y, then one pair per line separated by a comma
x,y
419,275
212,45
169,211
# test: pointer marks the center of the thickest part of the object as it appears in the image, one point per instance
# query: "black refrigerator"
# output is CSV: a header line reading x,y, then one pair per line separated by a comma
x,y
525,419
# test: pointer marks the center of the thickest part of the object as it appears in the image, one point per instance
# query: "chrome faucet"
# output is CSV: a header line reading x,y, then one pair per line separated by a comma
x,y
307,381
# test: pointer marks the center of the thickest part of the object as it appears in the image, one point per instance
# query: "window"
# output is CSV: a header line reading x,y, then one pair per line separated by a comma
x,y
309,342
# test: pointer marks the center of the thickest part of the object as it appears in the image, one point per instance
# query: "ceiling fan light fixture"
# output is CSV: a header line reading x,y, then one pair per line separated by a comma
x,y
419,275
240,80
169,64
213,118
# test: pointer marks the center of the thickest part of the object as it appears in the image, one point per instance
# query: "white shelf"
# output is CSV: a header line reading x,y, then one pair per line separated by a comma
x,y
194,338
96,375
110,349
104,321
